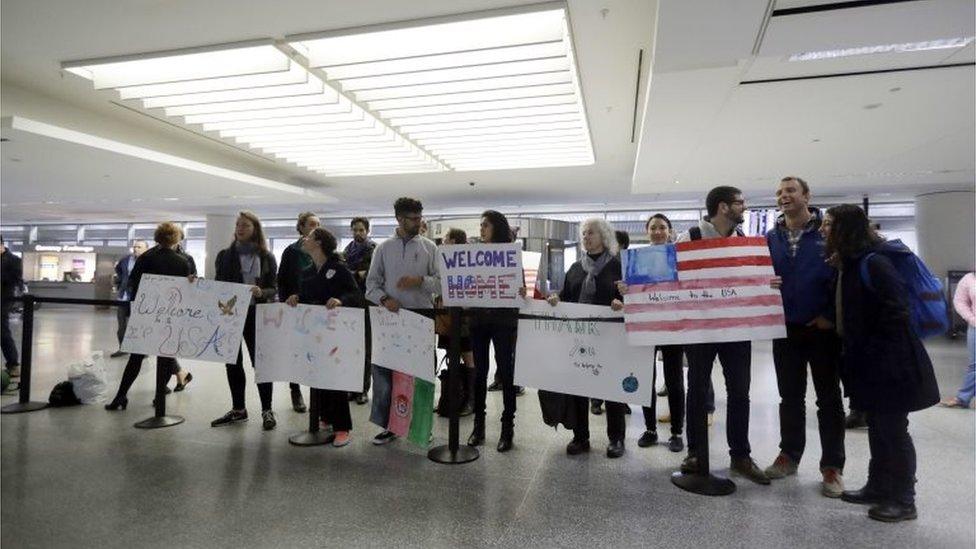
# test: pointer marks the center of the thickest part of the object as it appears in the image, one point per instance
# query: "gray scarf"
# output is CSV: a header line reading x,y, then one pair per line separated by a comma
x,y
592,268
250,262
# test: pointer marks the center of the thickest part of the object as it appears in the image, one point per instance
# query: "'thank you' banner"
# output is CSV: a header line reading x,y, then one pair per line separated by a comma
x,y
481,275
568,349
172,317
310,345
703,291
403,341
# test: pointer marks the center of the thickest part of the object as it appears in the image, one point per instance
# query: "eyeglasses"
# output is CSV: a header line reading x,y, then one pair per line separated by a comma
x,y
412,217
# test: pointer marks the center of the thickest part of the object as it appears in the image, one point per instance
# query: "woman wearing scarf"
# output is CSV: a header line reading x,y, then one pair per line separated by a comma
x,y
248,261
593,280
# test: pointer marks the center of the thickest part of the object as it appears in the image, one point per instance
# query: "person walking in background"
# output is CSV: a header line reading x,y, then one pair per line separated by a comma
x,y
806,283
123,268
359,256
294,261
885,366
248,261
964,301
11,279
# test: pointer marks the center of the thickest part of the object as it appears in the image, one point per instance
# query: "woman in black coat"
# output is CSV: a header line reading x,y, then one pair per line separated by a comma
x,y
593,279
248,261
162,259
884,364
327,281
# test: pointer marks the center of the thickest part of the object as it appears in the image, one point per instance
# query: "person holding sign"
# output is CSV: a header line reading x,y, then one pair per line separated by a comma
x,y
162,259
496,327
404,273
328,282
593,279
294,260
248,261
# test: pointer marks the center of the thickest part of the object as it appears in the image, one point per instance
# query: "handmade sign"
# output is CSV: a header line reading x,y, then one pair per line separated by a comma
x,y
172,317
570,350
481,275
403,341
703,291
310,345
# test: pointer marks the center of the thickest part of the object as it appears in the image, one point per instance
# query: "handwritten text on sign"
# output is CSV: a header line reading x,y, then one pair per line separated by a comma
x,y
172,317
574,352
481,275
310,345
403,341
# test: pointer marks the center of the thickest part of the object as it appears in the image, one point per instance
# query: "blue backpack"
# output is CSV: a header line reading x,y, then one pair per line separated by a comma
x,y
928,315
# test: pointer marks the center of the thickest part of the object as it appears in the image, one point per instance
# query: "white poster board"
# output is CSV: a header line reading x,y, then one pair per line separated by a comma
x,y
174,318
403,341
587,357
310,345
481,275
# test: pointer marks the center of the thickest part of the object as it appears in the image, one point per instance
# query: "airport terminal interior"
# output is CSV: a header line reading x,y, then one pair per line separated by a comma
x,y
155,123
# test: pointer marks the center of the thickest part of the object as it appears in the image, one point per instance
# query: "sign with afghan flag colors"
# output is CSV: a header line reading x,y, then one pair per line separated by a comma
x,y
481,275
702,291
411,408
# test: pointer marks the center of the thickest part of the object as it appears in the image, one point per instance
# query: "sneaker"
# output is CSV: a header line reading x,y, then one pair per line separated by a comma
x,y
747,467
495,386
649,438
782,467
676,443
298,402
519,390
690,465
362,398
615,449
666,418
341,439
268,421
576,447
385,437
833,483
596,408
232,416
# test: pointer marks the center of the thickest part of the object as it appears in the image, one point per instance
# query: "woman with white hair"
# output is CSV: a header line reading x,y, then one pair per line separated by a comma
x,y
593,280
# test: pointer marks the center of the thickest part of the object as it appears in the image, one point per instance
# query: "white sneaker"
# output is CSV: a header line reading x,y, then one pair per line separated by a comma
x,y
385,437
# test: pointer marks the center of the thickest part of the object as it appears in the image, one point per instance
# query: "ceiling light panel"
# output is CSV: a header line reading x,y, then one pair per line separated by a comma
x,y
259,95
495,90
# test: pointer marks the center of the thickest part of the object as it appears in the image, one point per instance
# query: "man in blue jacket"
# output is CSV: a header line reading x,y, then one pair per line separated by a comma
x,y
807,286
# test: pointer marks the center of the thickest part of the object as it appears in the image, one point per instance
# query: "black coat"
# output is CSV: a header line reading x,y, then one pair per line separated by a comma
x,y
332,280
12,275
294,260
228,266
884,364
606,283
156,260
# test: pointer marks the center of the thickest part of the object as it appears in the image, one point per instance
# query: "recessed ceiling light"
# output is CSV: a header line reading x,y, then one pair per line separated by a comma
x,y
906,47
171,199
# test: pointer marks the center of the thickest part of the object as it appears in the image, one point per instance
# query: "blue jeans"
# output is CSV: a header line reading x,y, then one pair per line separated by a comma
x,y
968,388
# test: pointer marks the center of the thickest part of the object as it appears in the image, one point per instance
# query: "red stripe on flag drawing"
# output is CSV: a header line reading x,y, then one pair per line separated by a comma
x,y
720,243
749,301
700,284
719,262
706,324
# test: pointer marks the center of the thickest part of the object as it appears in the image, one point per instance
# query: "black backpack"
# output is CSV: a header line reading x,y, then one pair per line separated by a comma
x,y
63,394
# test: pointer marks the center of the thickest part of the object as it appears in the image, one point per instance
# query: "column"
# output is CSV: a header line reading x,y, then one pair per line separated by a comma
x,y
220,233
945,225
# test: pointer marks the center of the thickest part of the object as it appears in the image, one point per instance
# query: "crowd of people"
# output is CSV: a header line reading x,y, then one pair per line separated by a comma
x,y
852,332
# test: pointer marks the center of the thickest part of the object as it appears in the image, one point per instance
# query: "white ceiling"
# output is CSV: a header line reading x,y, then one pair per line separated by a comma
x,y
701,127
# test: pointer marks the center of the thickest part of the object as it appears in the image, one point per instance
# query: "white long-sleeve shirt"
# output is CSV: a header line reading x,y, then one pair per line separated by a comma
x,y
395,258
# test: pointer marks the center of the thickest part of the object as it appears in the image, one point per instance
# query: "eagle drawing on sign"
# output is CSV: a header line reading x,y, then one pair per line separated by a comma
x,y
227,308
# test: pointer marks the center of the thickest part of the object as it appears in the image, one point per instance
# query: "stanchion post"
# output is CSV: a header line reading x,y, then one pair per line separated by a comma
x,y
24,403
314,436
160,419
453,453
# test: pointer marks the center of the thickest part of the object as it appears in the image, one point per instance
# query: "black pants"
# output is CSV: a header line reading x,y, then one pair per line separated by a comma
x,y
736,359
134,365
334,408
821,350
235,372
122,314
891,471
674,381
6,338
503,339
616,419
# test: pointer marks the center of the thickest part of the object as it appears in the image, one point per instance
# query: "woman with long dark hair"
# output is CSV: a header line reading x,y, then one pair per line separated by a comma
x,y
495,327
248,261
327,281
886,369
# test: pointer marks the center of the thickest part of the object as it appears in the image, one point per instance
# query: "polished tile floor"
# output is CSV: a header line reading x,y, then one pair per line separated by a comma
x,y
83,477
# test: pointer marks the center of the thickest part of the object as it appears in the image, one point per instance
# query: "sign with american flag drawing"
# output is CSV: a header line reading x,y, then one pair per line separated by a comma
x,y
703,291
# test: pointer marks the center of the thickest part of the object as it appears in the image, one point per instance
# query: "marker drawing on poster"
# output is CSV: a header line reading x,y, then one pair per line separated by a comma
x,y
403,341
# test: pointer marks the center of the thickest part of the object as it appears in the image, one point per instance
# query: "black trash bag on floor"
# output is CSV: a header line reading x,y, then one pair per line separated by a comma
x,y
63,394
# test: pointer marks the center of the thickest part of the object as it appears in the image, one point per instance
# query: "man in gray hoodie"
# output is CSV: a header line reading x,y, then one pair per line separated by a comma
x,y
404,273
726,208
